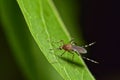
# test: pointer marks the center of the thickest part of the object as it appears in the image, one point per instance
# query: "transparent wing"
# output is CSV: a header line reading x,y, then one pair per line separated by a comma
x,y
79,49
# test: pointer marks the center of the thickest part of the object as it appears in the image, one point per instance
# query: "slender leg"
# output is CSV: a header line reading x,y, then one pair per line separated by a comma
x,y
72,53
72,57
90,60
63,53
61,42
89,44
72,41
55,49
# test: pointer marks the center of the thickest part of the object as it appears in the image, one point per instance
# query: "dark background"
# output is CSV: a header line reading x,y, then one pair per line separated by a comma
x,y
101,21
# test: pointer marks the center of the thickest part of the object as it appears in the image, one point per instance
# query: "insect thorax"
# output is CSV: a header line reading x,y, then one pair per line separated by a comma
x,y
67,47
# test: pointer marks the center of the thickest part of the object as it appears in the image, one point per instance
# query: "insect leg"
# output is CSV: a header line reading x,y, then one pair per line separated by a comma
x,y
72,41
63,53
90,60
62,42
72,57
89,44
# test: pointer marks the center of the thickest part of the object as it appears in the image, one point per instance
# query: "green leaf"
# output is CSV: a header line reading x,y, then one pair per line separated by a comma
x,y
46,27
26,53
70,12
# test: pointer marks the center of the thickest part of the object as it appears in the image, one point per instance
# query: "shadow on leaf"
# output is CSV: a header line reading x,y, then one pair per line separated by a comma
x,y
71,61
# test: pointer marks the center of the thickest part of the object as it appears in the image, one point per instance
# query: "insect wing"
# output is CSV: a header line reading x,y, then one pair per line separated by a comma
x,y
79,49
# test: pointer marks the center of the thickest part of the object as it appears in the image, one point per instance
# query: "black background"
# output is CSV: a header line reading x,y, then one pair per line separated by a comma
x,y
101,21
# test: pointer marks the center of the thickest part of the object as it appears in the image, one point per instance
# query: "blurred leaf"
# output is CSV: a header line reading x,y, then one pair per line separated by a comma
x,y
70,12
27,54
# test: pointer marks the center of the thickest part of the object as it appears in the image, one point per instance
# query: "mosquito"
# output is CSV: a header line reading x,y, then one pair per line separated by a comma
x,y
79,50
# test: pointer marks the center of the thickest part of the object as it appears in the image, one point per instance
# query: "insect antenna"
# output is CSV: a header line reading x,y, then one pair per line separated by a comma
x,y
90,60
